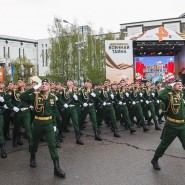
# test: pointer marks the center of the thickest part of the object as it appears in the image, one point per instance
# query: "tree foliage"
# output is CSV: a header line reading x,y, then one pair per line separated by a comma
x,y
65,60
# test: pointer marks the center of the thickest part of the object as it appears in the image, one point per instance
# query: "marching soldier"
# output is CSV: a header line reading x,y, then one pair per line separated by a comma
x,y
175,119
2,104
7,113
135,105
105,97
67,100
149,98
22,111
88,97
121,100
45,119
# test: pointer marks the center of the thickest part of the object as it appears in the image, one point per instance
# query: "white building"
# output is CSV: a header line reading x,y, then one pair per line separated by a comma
x,y
176,24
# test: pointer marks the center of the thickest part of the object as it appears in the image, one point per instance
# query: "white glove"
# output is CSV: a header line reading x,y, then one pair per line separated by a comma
x,y
1,99
120,103
55,128
85,104
112,96
56,98
93,94
133,103
75,97
37,86
141,94
5,106
153,94
147,102
104,103
141,101
127,94
16,109
66,105
158,101
31,107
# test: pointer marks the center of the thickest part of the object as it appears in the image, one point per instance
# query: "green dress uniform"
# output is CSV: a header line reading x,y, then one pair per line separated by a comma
x,y
135,107
43,123
2,140
44,120
12,98
88,98
67,99
175,122
121,107
106,108
149,100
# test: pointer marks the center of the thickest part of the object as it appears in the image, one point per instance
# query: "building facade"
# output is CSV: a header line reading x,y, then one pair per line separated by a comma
x,y
177,24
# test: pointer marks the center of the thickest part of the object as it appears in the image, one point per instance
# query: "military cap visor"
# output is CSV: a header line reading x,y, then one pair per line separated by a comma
x,y
21,79
46,80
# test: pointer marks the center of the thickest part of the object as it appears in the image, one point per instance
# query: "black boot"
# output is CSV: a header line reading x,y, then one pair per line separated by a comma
x,y
19,141
33,162
116,133
97,136
58,144
157,126
14,141
155,163
57,170
132,130
145,129
3,151
78,140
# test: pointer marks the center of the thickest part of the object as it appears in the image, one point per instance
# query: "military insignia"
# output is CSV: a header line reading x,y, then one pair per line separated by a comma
x,y
52,101
10,93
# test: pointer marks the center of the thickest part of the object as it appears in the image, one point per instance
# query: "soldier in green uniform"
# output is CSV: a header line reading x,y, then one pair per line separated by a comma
x,y
7,113
159,104
88,98
149,99
2,104
45,118
175,119
121,99
22,112
67,100
105,97
135,96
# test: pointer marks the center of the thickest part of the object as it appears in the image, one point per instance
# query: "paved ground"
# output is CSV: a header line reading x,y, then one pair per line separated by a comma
x,y
113,161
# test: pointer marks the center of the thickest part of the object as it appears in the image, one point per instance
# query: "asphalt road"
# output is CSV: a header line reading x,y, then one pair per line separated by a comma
x,y
113,161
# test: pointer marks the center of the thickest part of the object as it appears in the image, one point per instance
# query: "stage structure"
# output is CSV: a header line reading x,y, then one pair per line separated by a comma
x,y
158,54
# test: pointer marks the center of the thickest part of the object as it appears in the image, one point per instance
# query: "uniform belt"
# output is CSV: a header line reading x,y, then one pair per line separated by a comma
x,y
90,104
43,118
24,108
71,105
175,120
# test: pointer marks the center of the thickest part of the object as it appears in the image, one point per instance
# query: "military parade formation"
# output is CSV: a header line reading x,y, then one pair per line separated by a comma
x,y
46,109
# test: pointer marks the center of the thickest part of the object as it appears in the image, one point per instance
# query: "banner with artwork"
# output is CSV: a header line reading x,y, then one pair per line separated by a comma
x,y
155,68
119,60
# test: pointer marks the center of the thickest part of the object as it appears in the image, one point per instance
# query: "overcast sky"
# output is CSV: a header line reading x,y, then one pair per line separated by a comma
x,y
31,18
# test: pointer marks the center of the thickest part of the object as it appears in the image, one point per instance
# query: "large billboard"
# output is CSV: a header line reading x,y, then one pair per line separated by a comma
x,y
119,60
154,68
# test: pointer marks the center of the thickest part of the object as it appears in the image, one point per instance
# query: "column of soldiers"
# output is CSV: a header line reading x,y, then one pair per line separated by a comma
x,y
46,109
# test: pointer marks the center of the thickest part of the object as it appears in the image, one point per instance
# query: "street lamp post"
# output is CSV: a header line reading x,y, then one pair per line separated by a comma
x,y
78,47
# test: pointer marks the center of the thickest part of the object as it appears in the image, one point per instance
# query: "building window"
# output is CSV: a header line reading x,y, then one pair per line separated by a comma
x,y
19,52
46,57
4,52
46,45
42,58
23,52
8,52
